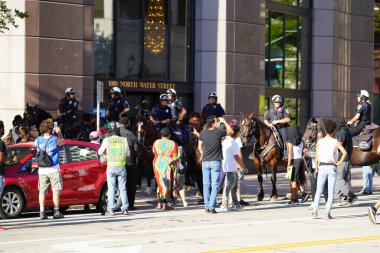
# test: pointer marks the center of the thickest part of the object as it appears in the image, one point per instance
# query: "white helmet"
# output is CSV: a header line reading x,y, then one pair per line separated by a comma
x,y
276,99
212,95
69,91
171,91
364,94
116,90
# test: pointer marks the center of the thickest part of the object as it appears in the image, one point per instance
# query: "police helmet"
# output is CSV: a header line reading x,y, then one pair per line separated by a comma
x,y
213,95
171,91
164,97
70,91
116,90
363,94
276,99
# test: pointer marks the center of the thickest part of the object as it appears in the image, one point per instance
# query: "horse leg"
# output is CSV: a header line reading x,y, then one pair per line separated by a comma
x,y
274,196
260,196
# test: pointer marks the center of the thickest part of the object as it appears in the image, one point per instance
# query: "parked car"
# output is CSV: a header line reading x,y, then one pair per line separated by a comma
x,y
83,174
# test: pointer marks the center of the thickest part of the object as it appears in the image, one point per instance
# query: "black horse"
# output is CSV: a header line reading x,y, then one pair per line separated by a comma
x,y
33,117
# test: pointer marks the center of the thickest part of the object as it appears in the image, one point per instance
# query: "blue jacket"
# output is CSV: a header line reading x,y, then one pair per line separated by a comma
x,y
51,149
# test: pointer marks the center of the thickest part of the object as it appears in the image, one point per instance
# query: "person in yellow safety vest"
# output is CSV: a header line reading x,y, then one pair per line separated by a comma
x,y
117,152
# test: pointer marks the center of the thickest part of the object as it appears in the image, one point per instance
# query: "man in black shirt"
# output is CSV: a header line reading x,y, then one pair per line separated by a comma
x,y
343,193
130,164
210,147
3,153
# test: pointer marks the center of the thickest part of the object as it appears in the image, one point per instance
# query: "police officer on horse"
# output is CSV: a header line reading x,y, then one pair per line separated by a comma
x,y
161,115
178,115
68,106
362,115
278,117
118,107
213,107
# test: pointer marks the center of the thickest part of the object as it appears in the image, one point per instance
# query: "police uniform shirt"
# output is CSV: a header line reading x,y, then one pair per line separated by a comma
x,y
364,109
162,113
115,107
66,105
277,114
213,109
175,107
75,104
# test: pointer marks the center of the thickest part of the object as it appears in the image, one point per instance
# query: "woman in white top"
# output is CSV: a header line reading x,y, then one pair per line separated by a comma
x,y
295,150
326,164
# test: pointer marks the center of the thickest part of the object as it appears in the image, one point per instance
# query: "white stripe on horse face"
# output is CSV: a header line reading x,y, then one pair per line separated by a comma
x,y
243,122
139,126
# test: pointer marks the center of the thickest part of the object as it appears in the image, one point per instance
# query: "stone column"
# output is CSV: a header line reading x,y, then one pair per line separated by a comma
x,y
59,52
342,55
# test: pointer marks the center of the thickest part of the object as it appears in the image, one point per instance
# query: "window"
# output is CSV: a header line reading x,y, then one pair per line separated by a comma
x,y
82,153
303,3
15,155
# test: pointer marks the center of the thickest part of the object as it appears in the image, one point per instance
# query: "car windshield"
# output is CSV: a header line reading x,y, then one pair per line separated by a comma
x,y
16,154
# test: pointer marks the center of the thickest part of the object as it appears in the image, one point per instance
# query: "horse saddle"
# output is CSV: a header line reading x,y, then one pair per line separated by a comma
x,y
364,139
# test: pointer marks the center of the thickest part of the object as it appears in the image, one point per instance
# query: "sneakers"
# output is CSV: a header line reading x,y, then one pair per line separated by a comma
x,y
315,215
236,207
372,214
243,203
185,204
213,211
305,197
124,212
109,213
2,228
311,207
367,192
58,215
352,200
294,202
43,215
224,208
328,217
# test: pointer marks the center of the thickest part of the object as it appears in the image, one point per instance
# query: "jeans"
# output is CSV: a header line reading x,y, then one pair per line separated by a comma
x,y
1,185
210,172
325,172
367,178
230,186
117,175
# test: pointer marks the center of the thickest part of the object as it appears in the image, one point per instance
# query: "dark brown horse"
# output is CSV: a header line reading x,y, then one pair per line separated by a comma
x,y
254,133
358,157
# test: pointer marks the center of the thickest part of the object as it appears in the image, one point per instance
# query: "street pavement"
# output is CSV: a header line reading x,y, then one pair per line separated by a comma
x,y
263,226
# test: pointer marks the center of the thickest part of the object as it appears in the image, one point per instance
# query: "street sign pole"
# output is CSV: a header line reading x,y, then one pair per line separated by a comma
x,y
99,99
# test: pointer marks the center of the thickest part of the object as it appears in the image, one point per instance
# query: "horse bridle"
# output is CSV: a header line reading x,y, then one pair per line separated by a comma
x,y
251,132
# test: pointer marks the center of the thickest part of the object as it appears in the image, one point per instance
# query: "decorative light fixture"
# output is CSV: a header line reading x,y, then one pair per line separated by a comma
x,y
154,27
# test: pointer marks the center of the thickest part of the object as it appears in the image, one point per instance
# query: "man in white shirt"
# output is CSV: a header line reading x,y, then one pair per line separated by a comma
x,y
231,161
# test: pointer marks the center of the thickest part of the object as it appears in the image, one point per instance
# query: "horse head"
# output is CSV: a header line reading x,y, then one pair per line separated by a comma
x,y
248,126
30,115
310,136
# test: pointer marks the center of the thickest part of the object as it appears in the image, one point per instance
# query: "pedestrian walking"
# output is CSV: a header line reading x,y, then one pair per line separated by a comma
x,y
326,166
166,154
372,211
117,153
49,146
296,164
230,163
130,164
210,148
343,191
367,180
3,154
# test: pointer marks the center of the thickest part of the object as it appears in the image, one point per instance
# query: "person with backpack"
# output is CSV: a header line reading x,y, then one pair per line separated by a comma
x,y
48,147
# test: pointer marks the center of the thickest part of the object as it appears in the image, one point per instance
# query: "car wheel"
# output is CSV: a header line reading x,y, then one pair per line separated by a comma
x,y
12,203
102,204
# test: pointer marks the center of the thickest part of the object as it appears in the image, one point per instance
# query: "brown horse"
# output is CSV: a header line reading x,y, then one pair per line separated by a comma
x,y
358,157
254,133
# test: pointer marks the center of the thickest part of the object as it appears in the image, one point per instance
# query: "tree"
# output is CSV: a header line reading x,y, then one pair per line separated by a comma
x,y
7,16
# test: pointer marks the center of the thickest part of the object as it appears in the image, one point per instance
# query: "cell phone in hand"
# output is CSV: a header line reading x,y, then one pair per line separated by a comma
x,y
55,124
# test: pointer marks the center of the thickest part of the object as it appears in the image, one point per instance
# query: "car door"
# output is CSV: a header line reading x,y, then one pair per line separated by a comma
x,y
88,171
67,194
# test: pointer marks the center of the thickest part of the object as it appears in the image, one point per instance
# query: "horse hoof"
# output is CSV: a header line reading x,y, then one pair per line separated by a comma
x,y
260,198
273,198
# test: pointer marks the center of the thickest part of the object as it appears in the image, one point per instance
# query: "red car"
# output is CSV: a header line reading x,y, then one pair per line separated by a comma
x,y
84,178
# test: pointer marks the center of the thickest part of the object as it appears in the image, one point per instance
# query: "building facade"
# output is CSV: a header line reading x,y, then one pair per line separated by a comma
x,y
316,54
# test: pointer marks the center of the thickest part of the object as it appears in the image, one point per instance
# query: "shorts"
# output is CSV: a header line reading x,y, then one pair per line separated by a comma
x,y
55,179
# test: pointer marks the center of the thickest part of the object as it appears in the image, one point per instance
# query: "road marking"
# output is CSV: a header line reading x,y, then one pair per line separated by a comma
x,y
296,245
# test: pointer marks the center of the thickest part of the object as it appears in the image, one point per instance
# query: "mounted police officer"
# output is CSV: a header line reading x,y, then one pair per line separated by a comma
x,y
213,107
68,106
162,114
363,113
178,114
279,117
118,107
